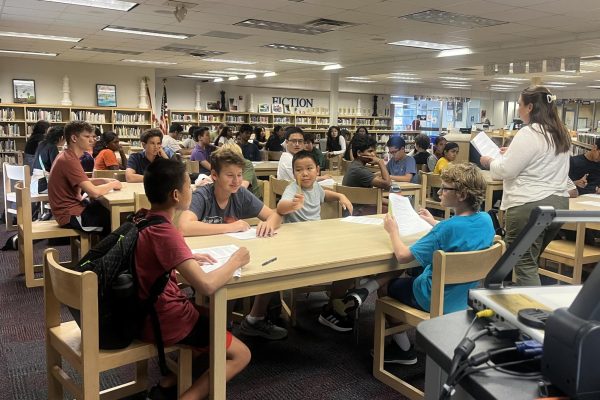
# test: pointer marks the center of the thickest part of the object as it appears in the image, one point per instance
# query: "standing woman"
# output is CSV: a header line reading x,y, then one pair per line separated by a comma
x,y
336,143
535,170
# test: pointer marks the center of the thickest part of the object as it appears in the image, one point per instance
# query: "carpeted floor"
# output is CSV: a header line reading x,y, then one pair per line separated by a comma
x,y
314,362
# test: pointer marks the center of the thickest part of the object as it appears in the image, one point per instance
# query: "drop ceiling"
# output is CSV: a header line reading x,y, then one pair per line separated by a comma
x,y
530,30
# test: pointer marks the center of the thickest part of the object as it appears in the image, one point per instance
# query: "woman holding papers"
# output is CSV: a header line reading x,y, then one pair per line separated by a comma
x,y
535,170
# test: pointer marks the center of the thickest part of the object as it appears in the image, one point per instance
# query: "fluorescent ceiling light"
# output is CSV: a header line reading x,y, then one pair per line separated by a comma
x,y
594,86
455,82
221,60
455,52
224,72
555,86
406,78
402,73
565,76
456,78
149,62
309,62
146,32
511,79
404,81
108,4
457,87
213,75
37,36
503,87
425,45
357,77
233,78
332,67
360,81
561,83
218,80
196,76
250,76
269,74
255,71
29,53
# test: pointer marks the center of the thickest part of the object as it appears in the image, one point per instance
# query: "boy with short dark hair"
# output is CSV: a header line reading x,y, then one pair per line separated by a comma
x,y
421,153
138,162
275,139
160,249
358,175
309,145
68,181
250,150
402,167
221,207
294,143
203,149
171,141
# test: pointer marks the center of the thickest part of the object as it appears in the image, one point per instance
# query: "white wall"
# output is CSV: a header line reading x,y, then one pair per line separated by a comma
x,y
48,75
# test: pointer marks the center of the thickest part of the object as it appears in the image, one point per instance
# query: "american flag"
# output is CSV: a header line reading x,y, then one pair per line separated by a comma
x,y
164,111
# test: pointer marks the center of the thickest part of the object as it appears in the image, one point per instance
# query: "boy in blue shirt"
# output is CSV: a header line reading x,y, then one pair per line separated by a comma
x,y
463,189
402,167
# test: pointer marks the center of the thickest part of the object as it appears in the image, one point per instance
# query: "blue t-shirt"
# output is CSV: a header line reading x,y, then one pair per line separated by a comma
x,y
402,167
459,233
138,162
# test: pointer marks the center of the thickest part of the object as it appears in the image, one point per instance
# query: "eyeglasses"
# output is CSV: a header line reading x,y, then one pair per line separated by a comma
x,y
444,188
296,141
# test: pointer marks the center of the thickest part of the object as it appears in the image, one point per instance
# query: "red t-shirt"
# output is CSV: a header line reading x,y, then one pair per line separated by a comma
x,y
64,193
106,158
160,248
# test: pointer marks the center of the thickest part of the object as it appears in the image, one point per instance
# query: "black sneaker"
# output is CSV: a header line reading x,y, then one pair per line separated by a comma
x,y
393,354
161,393
264,329
355,298
335,321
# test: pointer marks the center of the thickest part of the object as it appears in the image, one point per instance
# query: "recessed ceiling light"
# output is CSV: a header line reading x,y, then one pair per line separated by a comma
x,y
292,47
146,32
38,36
503,87
101,50
360,80
560,83
594,86
218,80
250,76
456,78
221,60
402,73
255,71
565,76
455,82
149,62
309,62
29,53
405,81
332,67
283,27
358,77
224,72
406,78
555,86
196,76
452,19
269,74
511,79
211,74
108,4
233,78
425,45
457,87
455,52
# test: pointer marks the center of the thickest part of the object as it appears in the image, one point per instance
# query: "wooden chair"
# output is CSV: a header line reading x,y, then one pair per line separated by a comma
x,y
11,175
335,162
362,196
276,188
192,166
29,231
118,174
274,155
264,155
80,346
345,166
448,268
568,253
431,183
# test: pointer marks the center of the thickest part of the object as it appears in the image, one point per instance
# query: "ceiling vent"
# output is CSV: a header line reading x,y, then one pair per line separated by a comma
x,y
440,17
225,35
292,47
281,27
329,24
100,50
194,51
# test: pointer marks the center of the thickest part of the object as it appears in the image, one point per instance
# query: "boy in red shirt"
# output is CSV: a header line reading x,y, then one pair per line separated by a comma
x,y
161,248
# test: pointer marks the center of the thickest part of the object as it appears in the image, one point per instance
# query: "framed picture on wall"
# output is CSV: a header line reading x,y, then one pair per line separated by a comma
x,y
286,109
213,105
277,108
24,91
106,95
264,108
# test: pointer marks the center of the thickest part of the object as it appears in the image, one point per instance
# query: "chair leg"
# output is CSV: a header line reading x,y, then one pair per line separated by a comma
x,y
21,259
90,377
55,389
74,251
26,256
184,370
379,342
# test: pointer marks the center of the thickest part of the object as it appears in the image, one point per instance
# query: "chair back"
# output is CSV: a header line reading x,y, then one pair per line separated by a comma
x,y
117,174
11,175
264,155
15,172
345,165
23,206
276,188
460,267
140,200
192,166
366,196
335,162
274,155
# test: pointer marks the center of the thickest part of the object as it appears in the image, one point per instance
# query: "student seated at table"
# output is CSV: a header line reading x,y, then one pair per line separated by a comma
x,y
309,145
275,139
249,149
161,248
420,152
221,207
438,151
189,142
106,158
402,167
138,162
225,134
449,155
463,189
171,141
203,149
45,154
68,182
295,142
584,170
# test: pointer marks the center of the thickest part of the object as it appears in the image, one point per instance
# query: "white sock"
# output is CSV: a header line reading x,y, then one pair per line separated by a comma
x,y
252,320
401,340
371,286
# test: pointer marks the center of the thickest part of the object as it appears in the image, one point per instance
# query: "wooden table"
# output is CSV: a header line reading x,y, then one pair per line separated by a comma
x,y
492,186
265,168
407,188
294,267
120,201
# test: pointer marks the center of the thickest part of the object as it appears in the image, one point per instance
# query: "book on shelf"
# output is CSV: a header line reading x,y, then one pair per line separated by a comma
x,y
7,114
88,116
48,115
10,130
130,118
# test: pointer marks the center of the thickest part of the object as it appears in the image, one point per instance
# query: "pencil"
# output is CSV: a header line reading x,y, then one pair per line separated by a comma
x,y
299,186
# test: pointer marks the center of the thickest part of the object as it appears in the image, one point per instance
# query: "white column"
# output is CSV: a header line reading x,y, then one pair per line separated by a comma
x,y
143,96
198,102
66,100
334,91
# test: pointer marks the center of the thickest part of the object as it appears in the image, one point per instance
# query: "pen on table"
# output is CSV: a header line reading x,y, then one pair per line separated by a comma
x,y
269,261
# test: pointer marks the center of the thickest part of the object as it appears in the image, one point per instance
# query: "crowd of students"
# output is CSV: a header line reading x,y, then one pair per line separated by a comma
x,y
535,169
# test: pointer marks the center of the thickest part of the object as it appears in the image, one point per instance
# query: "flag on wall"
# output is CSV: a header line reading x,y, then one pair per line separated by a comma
x,y
154,120
164,111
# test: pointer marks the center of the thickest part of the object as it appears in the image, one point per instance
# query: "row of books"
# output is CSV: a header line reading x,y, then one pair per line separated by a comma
x,y
89,116
7,114
8,145
588,138
128,132
136,118
10,130
8,158
48,115
182,117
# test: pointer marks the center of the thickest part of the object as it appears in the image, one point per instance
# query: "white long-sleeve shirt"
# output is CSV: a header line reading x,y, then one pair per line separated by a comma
x,y
342,145
530,169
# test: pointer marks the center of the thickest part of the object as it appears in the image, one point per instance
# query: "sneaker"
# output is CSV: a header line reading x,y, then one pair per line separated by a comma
x,y
335,321
264,329
393,354
161,393
355,298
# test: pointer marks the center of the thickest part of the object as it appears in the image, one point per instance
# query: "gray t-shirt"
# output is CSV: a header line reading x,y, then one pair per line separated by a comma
x,y
311,211
358,175
242,204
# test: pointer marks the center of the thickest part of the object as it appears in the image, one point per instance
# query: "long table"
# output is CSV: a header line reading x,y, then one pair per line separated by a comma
x,y
406,188
120,201
265,168
307,253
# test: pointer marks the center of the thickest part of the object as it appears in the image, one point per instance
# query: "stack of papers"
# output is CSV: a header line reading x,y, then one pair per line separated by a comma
x,y
485,146
249,234
327,182
363,220
220,253
409,222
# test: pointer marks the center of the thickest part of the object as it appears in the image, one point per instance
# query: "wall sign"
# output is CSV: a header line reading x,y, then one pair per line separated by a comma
x,y
293,101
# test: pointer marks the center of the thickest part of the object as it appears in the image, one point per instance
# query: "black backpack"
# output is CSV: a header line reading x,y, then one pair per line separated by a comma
x,y
493,213
121,313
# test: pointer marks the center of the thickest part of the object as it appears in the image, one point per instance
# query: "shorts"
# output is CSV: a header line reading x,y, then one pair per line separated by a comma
x,y
401,289
199,337
94,218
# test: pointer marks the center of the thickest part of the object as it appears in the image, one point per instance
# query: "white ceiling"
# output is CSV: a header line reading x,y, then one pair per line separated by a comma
x,y
536,29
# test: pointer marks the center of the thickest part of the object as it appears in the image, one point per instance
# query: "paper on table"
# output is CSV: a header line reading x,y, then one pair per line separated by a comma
x,y
409,222
327,182
594,196
220,253
249,234
363,220
590,203
485,146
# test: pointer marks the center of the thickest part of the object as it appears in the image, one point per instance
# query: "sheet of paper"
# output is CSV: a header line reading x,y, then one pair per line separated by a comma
x,y
220,253
409,222
590,195
485,146
590,203
327,182
249,234
363,220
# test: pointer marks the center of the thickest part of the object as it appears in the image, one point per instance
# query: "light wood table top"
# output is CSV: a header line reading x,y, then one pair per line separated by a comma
x,y
265,168
124,196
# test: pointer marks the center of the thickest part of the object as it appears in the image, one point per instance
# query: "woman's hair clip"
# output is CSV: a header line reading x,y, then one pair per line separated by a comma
x,y
551,98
